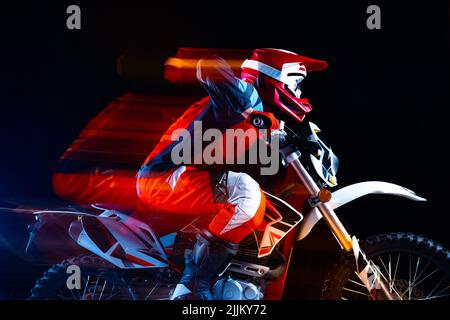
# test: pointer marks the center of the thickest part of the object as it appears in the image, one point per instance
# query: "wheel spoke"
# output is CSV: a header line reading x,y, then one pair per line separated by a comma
x,y
437,296
431,273
94,291
73,294
415,272
409,276
437,286
439,293
63,297
151,291
396,267
85,287
111,292
357,283
420,274
103,289
391,283
358,292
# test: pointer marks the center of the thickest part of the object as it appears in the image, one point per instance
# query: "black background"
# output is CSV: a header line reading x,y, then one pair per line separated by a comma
x,y
382,104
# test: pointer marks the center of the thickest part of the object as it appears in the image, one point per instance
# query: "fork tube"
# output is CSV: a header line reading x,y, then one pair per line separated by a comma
x,y
328,214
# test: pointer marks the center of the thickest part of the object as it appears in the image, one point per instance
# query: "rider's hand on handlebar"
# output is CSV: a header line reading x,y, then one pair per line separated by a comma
x,y
264,120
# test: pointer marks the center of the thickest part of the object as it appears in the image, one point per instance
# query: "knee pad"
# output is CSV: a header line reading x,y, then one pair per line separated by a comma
x,y
243,192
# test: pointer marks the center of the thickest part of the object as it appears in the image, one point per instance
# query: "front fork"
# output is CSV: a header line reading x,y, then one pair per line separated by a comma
x,y
366,269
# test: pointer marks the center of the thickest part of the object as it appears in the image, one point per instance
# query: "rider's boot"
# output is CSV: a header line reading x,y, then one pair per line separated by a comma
x,y
209,257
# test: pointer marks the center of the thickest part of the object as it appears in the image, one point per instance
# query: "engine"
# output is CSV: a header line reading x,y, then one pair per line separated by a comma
x,y
228,288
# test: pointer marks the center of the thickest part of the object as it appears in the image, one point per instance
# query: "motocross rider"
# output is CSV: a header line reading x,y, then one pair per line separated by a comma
x,y
271,78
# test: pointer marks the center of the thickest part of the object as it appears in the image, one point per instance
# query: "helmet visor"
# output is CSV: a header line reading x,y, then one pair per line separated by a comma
x,y
293,84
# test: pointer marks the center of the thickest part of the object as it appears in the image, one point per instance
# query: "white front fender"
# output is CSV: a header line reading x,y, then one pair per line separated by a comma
x,y
352,192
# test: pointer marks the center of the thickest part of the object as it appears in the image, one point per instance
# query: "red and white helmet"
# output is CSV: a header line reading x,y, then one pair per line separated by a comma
x,y
277,75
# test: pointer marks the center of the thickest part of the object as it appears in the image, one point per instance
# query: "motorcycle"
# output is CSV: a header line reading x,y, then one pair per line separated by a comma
x,y
127,259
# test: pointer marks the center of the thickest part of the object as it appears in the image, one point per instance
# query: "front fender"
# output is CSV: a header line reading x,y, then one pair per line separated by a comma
x,y
352,192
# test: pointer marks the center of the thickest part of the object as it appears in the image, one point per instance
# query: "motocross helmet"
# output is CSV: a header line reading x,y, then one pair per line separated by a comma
x,y
277,75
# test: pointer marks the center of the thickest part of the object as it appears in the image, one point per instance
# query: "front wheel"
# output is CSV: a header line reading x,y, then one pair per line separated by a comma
x,y
414,268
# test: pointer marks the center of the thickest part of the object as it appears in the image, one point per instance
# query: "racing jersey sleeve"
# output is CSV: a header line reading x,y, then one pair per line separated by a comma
x,y
229,103
232,99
